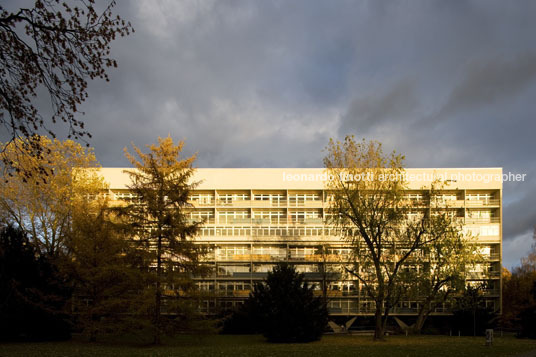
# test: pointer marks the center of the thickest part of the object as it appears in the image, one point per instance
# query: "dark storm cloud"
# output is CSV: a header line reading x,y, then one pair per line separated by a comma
x,y
266,83
378,107
490,83
520,216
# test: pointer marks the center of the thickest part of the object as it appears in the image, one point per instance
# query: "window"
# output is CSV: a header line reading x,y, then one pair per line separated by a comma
x,y
414,196
233,252
269,216
307,268
302,253
271,252
229,198
202,198
479,214
198,216
274,198
231,270
302,216
489,231
299,199
483,197
237,216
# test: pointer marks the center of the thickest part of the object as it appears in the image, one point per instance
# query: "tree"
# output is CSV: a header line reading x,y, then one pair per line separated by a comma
x,y
470,314
285,308
32,292
329,272
53,47
103,269
443,273
43,207
161,184
519,291
368,204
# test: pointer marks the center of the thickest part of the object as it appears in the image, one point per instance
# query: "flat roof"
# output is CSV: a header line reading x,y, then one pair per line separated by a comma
x,y
314,178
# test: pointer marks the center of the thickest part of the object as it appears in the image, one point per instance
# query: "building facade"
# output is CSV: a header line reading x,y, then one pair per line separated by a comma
x,y
255,218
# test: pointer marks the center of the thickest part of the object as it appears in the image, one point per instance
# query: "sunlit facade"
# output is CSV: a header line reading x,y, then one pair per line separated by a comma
x,y
258,217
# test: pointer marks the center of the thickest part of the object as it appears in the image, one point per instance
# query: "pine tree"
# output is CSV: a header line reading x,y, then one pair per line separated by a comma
x,y
285,308
161,184
104,269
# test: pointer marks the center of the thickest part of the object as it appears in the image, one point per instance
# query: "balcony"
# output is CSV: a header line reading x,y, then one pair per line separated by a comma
x,y
251,203
287,221
481,220
317,258
482,203
491,292
329,293
201,220
204,203
300,203
241,293
447,203
494,256
483,275
237,221
233,293
253,257
268,203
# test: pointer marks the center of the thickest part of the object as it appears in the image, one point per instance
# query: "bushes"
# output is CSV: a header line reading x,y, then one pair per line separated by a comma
x,y
32,293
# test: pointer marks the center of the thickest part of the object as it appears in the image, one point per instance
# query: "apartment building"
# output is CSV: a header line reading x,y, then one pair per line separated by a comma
x,y
255,218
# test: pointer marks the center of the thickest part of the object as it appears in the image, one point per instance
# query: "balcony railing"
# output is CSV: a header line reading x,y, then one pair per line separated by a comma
x,y
201,220
251,203
490,292
253,257
319,258
483,274
481,220
269,221
308,203
335,293
447,203
233,293
482,203
197,203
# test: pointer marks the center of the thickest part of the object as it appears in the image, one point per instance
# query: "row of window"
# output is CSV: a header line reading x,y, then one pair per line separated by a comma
x,y
317,214
209,198
257,214
315,231
267,231
256,252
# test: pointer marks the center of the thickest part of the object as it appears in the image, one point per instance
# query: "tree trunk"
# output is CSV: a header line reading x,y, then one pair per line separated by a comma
x,y
427,308
158,294
93,335
378,316
422,315
385,317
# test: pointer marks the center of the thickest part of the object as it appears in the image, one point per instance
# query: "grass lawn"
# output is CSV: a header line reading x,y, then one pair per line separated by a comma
x,y
332,345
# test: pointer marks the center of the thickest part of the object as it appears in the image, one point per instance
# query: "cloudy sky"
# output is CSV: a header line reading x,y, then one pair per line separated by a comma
x,y
267,83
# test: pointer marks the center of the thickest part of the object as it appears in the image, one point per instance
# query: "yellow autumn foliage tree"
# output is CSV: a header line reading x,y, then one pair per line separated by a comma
x,y
42,204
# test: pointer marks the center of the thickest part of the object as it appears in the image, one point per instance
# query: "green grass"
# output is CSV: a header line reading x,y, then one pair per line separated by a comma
x,y
333,345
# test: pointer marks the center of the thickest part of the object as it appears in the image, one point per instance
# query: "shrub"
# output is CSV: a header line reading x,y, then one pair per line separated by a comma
x,y
284,309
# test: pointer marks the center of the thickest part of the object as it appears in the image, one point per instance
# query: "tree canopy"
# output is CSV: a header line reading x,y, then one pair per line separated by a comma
x,y
53,48
42,205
